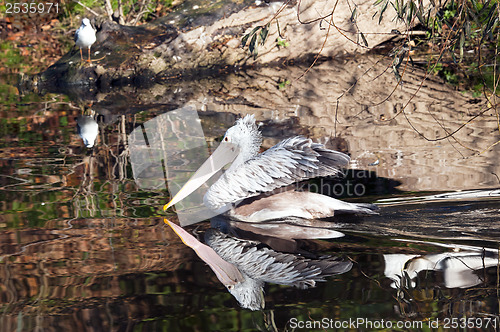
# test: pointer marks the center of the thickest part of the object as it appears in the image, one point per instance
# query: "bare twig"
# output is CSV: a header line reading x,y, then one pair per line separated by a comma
x,y
121,18
322,46
109,9
87,8
312,21
142,11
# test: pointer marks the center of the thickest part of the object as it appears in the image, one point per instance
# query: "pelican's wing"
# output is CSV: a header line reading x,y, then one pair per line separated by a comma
x,y
271,266
292,160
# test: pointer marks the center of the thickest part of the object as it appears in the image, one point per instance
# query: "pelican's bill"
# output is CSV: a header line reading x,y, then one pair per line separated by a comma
x,y
227,273
223,155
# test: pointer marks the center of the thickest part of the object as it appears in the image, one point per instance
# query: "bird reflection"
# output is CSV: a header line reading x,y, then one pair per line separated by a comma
x,y
259,264
244,266
280,235
88,129
459,268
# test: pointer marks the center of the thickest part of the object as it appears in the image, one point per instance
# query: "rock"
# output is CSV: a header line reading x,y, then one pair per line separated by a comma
x,y
190,43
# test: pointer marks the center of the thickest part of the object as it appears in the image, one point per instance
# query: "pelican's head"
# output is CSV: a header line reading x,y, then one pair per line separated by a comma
x,y
240,143
86,22
246,136
249,293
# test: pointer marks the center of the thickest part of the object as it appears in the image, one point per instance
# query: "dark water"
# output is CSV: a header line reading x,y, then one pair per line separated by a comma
x,y
84,248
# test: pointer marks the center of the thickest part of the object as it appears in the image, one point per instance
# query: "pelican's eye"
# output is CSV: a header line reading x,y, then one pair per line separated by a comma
x,y
226,139
230,287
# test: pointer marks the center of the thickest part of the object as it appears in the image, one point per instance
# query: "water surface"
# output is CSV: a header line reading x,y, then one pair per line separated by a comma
x,y
85,248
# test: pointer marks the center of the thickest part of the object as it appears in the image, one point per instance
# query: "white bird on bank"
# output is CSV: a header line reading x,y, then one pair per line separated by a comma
x,y
251,189
85,37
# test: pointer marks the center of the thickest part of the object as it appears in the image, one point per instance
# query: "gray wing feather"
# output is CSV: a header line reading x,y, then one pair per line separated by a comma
x,y
292,160
268,265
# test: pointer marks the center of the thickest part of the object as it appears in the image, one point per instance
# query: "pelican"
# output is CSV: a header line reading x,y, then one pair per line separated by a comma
x,y
256,187
245,266
85,37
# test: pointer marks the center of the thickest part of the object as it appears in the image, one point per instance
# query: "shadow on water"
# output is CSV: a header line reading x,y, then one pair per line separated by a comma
x,y
85,246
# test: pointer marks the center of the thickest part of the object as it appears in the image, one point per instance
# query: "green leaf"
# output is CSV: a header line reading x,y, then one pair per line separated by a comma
x,y
454,58
411,12
278,26
398,60
254,30
420,14
253,41
411,62
382,11
395,70
495,24
363,38
467,28
282,42
395,6
492,21
282,85
403,8
353,15
263,34
474,4
245,38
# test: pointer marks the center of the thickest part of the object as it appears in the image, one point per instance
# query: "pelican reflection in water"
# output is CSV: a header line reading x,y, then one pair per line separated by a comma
x,y
245,266
254,187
